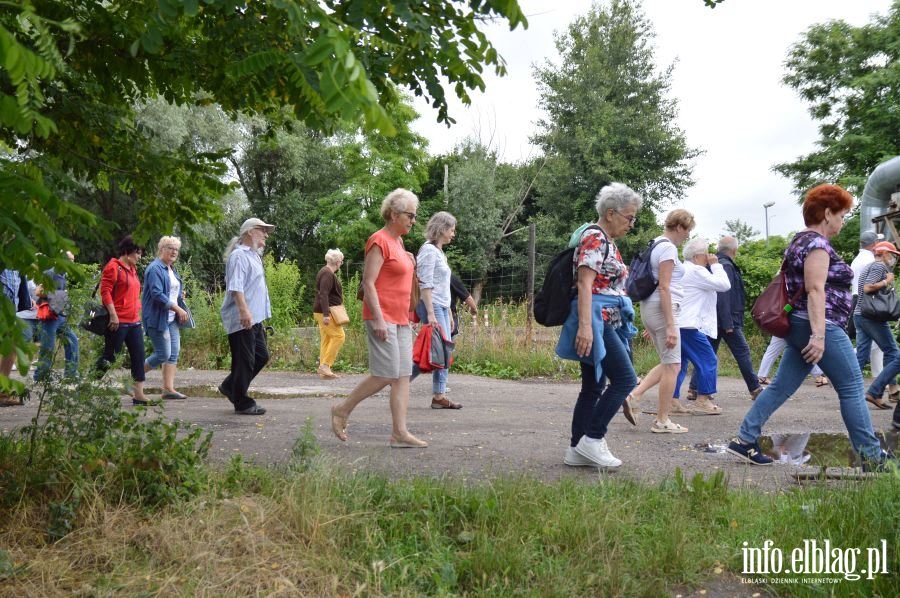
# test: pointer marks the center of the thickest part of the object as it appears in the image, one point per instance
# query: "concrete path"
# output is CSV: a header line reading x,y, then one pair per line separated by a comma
x,y
505,428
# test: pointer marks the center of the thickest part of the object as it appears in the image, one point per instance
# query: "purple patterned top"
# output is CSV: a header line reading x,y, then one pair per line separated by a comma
x,y
837,284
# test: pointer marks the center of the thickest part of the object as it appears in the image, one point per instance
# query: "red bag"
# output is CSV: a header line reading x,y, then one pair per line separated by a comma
x,y
44,312
432,349
772,309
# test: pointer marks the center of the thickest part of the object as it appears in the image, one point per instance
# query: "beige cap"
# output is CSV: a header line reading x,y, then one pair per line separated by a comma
x,y
251,223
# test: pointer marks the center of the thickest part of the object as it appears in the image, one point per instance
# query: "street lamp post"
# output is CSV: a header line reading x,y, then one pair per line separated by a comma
x,y
766,207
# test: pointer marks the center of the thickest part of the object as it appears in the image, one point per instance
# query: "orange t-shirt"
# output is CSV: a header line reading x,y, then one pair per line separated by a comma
x,y
394,281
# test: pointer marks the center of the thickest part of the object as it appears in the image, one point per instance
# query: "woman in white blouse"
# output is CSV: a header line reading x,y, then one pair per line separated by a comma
x,y
697,321
433,273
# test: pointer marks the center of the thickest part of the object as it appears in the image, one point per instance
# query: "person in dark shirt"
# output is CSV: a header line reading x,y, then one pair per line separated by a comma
x,y
458,292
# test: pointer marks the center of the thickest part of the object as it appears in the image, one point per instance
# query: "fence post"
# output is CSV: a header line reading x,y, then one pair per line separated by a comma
x,y
529,293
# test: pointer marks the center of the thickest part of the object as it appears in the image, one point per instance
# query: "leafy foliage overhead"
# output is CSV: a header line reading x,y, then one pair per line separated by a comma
x,y
851,78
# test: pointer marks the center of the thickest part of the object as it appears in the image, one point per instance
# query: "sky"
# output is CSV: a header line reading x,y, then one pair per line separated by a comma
x,y
726,80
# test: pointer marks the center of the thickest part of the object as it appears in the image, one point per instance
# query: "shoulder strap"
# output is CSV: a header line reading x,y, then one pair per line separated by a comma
x,y
602,233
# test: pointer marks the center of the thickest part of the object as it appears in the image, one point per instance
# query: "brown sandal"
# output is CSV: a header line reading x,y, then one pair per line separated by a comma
x,y
877,402
444,403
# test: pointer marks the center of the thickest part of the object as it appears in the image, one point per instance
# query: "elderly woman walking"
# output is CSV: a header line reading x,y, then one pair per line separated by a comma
x,y
599,327
387,285
698,322
433,273
817,334
164,313
660,314
329,292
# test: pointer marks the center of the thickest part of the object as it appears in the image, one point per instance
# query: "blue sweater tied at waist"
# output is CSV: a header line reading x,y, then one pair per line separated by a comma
x,y
626,329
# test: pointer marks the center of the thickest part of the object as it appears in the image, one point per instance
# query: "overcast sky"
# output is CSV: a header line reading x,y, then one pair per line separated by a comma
x,y
727,81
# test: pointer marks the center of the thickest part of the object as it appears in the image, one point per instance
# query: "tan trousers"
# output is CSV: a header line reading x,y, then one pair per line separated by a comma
x,y
331,340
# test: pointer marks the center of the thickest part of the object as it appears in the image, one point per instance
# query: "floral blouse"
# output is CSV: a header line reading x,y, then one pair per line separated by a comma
x,y
838,298
611,272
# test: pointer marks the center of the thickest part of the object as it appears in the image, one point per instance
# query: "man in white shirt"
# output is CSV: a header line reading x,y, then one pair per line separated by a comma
x,y
245,308
874,356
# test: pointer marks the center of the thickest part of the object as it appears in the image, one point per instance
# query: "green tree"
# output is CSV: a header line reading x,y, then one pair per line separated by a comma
x,y
851,78
609,117
73,70
740,230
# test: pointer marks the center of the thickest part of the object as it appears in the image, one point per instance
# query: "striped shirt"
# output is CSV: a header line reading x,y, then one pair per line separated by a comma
x,y
874,272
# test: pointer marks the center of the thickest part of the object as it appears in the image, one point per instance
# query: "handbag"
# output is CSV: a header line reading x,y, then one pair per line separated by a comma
x,y
96,318
339,315
881,306
44,313
189,323
771,310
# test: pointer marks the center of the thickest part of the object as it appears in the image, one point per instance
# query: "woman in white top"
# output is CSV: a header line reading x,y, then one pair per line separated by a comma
x,y
433,273
698,322
659,313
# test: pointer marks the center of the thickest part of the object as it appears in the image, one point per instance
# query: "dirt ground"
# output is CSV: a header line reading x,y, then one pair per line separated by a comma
x,y
506,428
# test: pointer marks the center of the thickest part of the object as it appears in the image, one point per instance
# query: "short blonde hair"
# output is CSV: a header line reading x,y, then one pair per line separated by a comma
x,y
163,241
680,217
396,201
333,256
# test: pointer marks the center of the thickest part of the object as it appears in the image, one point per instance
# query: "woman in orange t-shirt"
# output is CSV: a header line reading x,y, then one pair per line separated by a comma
x,y
387,282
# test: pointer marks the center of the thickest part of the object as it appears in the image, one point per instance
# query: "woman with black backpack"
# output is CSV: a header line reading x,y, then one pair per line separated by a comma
x,y
599,326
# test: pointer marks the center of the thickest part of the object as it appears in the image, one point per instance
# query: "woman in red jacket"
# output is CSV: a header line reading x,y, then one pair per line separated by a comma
x,y
120,292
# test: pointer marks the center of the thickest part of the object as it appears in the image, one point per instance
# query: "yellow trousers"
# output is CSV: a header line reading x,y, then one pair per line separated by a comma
x,y
331,340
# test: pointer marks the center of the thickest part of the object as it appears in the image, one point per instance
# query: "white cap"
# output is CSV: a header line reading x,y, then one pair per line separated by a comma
x,y
251,223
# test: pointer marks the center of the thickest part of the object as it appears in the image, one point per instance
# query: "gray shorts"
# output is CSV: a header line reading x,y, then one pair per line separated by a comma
x,y
655,323
391,358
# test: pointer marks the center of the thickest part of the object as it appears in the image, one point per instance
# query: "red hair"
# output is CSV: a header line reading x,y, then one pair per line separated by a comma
x,y
825,197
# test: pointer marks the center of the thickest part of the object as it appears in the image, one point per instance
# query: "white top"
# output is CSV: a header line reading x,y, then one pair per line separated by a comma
x,y
698,309
433,272
859,263
174,292
666,252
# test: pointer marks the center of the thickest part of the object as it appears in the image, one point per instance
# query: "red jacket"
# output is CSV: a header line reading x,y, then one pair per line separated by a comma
x,y
120,286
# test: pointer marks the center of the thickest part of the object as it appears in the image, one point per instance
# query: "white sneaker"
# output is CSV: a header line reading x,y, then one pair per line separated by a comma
x,y
597,452
574,459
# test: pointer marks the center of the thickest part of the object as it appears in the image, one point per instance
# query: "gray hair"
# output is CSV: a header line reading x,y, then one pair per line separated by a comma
x,y
333,256
616,196
396,201
728,244
438,224
695,246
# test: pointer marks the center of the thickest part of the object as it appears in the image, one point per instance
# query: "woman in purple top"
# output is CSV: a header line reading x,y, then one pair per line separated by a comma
x,y
817,334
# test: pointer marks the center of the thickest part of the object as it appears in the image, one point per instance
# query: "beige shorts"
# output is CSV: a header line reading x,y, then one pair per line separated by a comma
x,y
391,358
655,323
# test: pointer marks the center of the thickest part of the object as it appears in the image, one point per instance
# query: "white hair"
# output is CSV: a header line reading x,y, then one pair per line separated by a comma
x,y
616,197
695,246
333,256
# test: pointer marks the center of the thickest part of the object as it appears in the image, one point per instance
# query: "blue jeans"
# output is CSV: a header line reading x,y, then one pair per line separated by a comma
x,y
596,405
842,369
696,349
166,345
49,329
867,332
737,344
438,376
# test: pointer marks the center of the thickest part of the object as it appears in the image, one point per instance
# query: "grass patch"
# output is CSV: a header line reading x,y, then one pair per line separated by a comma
x,y
310,529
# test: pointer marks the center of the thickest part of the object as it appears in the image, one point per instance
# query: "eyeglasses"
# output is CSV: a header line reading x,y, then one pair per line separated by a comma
x,y
630,219
171,248
411,215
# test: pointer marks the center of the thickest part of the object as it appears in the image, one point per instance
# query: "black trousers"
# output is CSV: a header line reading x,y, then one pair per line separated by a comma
x,y
132,336
249,355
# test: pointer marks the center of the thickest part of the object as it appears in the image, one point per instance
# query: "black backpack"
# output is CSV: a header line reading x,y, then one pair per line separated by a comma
x,y
552,302
640,283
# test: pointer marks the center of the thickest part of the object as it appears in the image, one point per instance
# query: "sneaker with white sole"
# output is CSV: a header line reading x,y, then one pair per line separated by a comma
x,y
597,452
574,459
667,427
749,452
